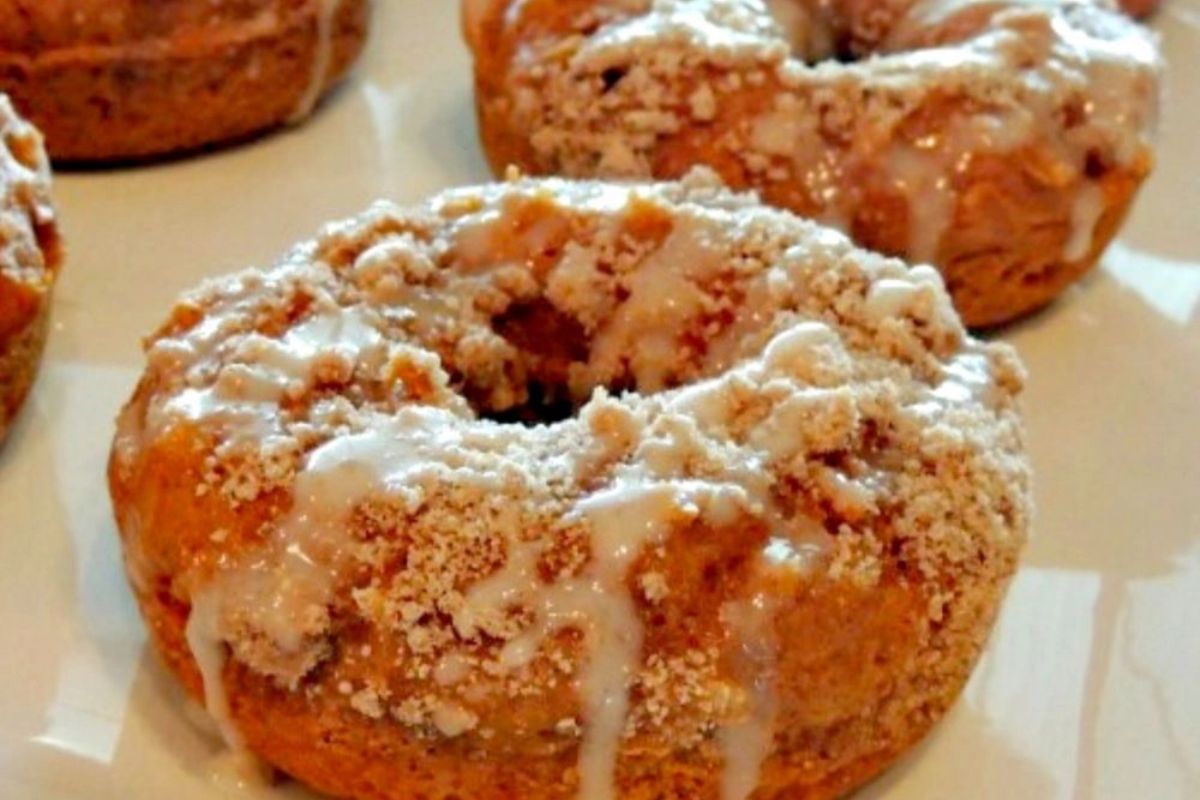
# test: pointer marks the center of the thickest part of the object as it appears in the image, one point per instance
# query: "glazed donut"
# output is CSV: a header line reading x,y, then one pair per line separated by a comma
x,y
30,255
113,80
553,490
1002,142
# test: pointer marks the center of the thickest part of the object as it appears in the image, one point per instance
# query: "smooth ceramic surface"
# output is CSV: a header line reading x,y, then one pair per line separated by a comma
x,y
1091,687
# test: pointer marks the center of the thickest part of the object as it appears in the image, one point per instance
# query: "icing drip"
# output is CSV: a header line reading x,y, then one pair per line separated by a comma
x,y
326,13
208,649
623,521
930,199
746,743
238,768
1085,216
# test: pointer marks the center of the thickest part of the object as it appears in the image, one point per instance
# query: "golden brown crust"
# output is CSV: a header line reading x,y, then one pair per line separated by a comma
x,y
1140,9
904,467
30,256
142,78
860,658
1012,192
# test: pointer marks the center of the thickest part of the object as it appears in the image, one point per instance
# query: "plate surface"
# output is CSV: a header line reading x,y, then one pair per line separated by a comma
x,y
1090,688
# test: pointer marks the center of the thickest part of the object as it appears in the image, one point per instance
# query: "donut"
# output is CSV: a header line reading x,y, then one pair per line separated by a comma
x,y
552,489
111,80
30,255
1001,142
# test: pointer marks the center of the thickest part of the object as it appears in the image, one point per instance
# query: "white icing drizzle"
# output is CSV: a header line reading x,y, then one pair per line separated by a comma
x,y
1085,216
930,199
746,743
246,394
967,378
326,13
623,521
239,768
1116,74
665,298
208,649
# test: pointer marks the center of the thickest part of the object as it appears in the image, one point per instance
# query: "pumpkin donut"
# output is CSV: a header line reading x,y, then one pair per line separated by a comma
x,y
113,80
1002,142
557,490
30,255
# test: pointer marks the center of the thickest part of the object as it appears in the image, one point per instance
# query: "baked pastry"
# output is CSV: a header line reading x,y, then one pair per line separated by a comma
x,y
554,490
1002,142
130,79
30,254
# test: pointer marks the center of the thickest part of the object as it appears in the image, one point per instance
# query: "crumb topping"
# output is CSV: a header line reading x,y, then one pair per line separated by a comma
x,y
28,233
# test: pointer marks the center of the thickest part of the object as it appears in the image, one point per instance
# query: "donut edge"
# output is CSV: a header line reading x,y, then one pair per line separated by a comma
x,y
91,103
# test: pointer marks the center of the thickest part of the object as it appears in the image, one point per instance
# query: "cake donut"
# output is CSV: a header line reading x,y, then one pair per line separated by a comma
x,y
130,79
573,490
30,255
1002,142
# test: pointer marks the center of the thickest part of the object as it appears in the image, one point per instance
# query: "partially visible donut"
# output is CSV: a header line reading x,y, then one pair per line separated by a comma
x,y
554,490
1001,141
113,80
30,255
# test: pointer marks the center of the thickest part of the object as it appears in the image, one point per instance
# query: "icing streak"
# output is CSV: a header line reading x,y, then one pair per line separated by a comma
x,y
623,521
322,59
747,742
204,640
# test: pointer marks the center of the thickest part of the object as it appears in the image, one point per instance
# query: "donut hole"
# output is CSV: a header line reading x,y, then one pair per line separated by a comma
x,y
549,343
1094,165
611,77
811,32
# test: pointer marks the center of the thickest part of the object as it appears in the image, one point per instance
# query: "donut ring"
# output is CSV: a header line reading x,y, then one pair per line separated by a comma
x,y
384,506
1001,142
30,256
110,80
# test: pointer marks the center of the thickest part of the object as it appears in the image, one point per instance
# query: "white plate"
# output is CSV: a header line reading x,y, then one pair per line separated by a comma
x,y
1091,688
